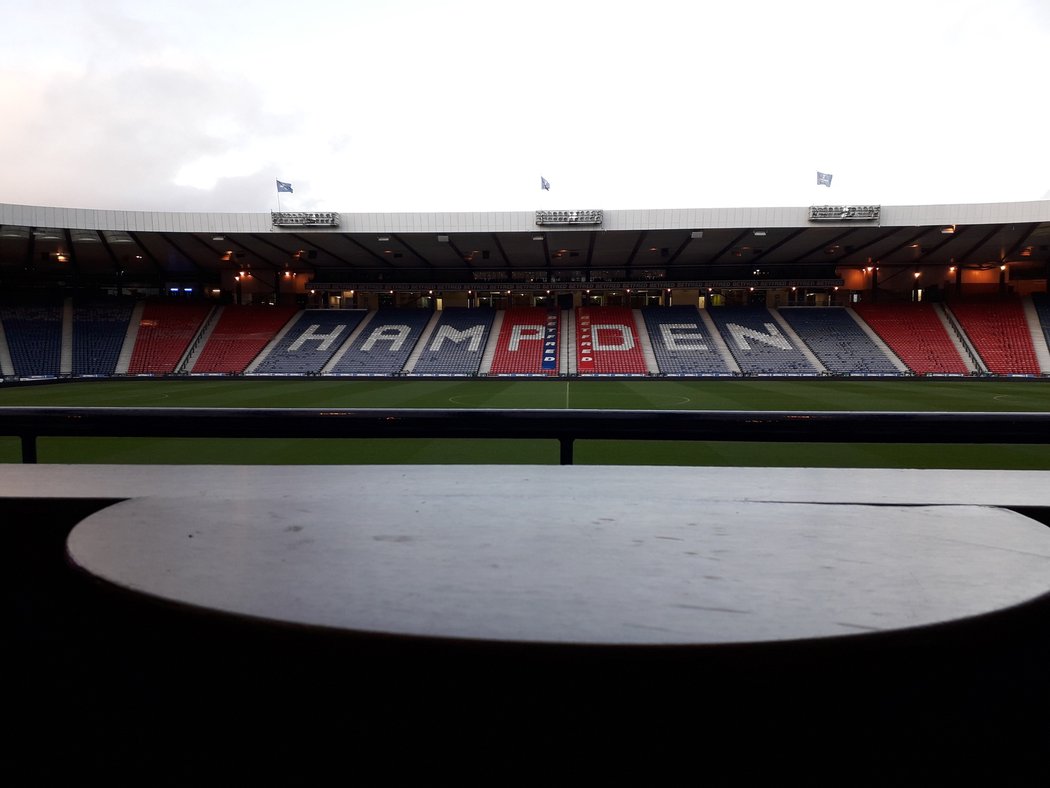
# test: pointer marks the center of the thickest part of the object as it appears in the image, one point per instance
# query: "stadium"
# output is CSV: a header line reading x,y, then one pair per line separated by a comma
x,y
170,377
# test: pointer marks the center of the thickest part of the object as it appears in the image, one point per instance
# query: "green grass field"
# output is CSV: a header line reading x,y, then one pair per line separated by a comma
x,y
817,394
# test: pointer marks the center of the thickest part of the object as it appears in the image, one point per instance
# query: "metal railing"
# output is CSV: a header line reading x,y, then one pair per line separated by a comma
x,y
565,426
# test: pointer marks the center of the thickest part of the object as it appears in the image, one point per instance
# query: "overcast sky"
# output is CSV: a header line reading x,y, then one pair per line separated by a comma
x,y
407,105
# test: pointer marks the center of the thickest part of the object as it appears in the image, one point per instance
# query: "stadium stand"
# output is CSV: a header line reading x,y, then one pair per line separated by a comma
x,y
457,344
758,344
524,345
681,342
998,331
99,328
385,344
239,336
310,342
607,342
838,341
1041,303
165,333
916,334
34,336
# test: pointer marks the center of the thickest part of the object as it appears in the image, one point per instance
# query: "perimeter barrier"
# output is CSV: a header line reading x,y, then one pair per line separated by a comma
x,y
565,426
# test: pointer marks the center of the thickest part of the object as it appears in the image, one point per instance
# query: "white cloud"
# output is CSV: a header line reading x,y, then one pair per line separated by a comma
x,y
383,106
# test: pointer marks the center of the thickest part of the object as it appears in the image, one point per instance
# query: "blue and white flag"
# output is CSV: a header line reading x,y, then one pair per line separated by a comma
x,y
823,179
545,184
284,187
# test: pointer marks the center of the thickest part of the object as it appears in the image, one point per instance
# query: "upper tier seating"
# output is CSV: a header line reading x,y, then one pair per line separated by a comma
x,y
916,334
239,336
99,330
165,332
385,344
681,342
837,340
457,343
34,336
527,343
757,342
311,342
607,342
999,333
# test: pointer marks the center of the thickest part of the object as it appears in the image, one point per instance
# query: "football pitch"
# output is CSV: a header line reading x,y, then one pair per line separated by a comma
x,y
749,394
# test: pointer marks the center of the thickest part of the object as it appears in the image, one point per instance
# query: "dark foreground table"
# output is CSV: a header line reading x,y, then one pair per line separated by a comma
x,y
522,624
640,561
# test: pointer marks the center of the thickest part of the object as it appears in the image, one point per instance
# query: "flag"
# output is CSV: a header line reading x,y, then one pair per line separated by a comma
x,y
823,179
545,184
284,187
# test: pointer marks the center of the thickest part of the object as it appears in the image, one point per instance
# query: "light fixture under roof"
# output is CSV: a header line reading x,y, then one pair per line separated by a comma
x,y
14,232
384,238
85,237
442,239
759,233
48,234
117,237
949,230
696,234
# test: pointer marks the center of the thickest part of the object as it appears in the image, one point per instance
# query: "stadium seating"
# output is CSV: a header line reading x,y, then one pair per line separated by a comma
x,y
835,338
916,334
758,344
99,330
457,343
311,342
239,336
527,343
385,344
34,336
1041,302
607,342
165,332
999,332
681,342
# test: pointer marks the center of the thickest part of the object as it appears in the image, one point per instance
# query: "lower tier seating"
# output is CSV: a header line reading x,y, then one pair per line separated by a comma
x,y
527,343
385,344
99,330
311,342
838,341
758,344
681,342
916,334
457,343
607,342
239,336
34,336
999,333
165,332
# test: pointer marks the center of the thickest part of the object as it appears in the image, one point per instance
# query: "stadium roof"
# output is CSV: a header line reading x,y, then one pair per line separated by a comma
x,y
45,243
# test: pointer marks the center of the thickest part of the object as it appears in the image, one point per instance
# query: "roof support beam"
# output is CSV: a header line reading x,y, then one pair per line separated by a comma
x,y
634,252
418,256
790,237
735,242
